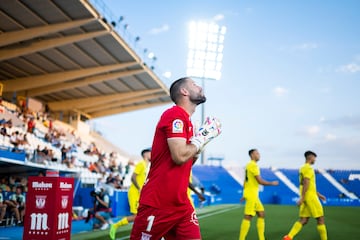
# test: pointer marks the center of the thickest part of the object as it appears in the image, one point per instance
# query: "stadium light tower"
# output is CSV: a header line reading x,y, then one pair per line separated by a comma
x,y
206,44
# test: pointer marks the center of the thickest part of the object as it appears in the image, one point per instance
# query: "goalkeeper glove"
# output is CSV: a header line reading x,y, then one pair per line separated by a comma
x,y
210,129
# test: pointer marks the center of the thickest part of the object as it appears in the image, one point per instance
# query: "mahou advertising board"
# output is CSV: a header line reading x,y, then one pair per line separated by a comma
x,y
48,212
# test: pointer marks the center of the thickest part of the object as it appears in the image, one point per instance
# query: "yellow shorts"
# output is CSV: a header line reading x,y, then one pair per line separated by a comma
x,y
133,198
253,205
311,208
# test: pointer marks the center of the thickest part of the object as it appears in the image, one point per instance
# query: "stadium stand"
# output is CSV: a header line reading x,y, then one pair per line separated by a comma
x,y
219,185
350,179
323,183
280,194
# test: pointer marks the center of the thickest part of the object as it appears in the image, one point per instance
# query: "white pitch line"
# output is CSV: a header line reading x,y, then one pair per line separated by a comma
x,y
217,212
202,216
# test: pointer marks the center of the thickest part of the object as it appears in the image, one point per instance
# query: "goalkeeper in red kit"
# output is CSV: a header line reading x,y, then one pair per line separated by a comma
x,y
164,207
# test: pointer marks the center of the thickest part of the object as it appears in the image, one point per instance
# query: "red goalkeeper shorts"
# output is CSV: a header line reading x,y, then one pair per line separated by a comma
x,y
153,223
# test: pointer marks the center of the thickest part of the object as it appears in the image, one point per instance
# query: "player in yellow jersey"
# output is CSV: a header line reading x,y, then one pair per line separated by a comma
x,y
309,202
253,205
137,181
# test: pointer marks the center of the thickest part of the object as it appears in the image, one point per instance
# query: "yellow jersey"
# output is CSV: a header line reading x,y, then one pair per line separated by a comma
x,y
141,173
251,185
306,171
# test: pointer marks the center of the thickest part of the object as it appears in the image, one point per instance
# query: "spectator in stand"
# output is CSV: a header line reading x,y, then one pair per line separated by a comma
x,y
4,184
25,140
16,203
50,124
113,165
45,152
47,137
64,151
101,166
72,148
94,168
9,123
3,130
51,157
14,138
31,125
120,168
39,155
127,167
46,110
115,181
2,207
23,107
73,162
110,177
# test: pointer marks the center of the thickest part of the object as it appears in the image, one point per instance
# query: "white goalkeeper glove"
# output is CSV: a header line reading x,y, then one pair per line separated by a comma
x,y
210,129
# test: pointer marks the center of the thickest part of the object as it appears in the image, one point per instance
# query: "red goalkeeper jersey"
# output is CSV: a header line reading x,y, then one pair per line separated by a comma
x,y
167,183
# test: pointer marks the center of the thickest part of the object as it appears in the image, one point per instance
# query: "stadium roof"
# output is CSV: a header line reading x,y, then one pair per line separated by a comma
x,y
68,56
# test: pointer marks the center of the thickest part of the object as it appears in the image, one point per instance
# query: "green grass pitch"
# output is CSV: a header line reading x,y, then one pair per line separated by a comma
x,y
222,222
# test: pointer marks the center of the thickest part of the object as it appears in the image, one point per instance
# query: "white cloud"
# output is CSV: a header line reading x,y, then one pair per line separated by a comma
x,y
280,91
161,29
349,68
218,17
306,46
330,137
312,130
167,74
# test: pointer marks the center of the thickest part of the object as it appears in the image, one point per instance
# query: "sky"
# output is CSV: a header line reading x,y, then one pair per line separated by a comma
x,y
290,78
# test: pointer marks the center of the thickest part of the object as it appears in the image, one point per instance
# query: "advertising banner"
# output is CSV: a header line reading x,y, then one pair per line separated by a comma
x,y
48,210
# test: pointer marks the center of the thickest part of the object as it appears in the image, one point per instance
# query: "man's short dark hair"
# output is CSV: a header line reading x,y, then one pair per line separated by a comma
x,y
145,151
251,151
175,89
309,153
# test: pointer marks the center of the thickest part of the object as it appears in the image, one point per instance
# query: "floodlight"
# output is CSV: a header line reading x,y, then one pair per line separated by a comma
x,y
206,44
205,47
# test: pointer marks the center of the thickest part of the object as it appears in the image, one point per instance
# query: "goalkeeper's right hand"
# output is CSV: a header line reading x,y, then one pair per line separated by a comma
x,y
210,129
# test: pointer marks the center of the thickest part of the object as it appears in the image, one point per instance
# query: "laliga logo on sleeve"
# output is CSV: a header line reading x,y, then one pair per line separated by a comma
x,y
40,201
64,201
177,126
